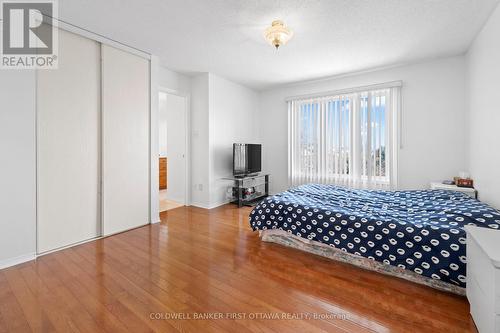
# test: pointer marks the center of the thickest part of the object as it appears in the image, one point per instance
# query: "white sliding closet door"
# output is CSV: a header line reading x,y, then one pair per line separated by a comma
x,y
125,102
68,122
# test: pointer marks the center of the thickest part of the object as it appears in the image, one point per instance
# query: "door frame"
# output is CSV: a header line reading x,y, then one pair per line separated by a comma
x,y
187,130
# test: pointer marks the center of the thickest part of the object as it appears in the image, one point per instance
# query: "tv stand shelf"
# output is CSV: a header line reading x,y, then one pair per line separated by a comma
x,y
249,190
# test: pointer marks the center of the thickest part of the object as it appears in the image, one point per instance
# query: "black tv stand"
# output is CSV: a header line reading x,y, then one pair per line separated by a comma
x,y
250,190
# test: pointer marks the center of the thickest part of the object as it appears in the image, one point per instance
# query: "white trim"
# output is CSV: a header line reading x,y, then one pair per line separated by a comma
x,y
17,260
37,157
187,127
154,200
220,203
101,145
89,240
28,257
210,206
400,115
377,86
115,233
199,205
99,38
69,246
399,138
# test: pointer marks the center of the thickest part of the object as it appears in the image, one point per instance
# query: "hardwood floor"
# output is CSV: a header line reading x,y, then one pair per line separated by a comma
x,y
200,262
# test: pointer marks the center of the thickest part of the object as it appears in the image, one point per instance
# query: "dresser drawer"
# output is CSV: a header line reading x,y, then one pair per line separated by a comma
x,y
482,270
481,310
483,277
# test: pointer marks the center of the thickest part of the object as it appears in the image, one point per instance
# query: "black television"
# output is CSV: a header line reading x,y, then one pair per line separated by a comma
x,y
247,159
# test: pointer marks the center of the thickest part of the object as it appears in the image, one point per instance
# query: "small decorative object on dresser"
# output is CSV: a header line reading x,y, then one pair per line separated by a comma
x,y
465,182
483,277
467,190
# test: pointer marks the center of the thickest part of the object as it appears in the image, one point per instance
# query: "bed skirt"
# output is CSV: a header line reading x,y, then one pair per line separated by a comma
x,y
283,238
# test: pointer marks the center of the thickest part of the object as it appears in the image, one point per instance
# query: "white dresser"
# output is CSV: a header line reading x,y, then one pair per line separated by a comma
x,y
483,277
440,186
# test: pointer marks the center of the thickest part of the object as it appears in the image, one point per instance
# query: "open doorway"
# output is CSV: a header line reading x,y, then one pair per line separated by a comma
x,y
173,113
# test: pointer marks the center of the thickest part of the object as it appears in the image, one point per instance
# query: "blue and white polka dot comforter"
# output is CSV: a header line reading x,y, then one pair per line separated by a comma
x,y
420,231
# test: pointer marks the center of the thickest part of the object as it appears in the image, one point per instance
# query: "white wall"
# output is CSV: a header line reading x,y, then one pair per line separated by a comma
x,y
17,165
483,77
177,144
162,124
154,167
433,120
162,78
223,113
200,141
174,81
233,119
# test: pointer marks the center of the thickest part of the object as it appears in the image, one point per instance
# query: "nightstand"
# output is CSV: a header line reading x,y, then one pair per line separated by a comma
x,y
483,277
440,186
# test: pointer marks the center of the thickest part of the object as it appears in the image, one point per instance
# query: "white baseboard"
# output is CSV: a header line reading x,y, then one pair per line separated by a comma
x,y
200,205
210,206
220,203
17,260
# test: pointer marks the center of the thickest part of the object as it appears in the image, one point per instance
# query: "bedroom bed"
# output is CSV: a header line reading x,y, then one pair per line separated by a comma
x,y
415,235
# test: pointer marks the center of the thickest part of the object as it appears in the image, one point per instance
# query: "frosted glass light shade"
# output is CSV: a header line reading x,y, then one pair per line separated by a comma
x,y
278,34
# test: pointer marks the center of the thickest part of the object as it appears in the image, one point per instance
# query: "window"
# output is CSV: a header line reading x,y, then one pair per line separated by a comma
x,y
348,139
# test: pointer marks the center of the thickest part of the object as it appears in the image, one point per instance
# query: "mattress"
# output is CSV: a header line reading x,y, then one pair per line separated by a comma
x,y
421,231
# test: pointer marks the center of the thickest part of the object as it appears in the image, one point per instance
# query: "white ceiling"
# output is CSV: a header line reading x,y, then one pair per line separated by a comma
x,y
331,36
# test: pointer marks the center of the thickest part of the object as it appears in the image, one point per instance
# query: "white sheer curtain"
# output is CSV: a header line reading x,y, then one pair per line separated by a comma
x,y
347,139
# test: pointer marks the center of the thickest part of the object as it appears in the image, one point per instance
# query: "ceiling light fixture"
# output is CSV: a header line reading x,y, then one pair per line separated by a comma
x,y
278,34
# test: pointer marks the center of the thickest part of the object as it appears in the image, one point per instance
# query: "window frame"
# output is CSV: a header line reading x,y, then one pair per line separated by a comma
x,y
391,138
